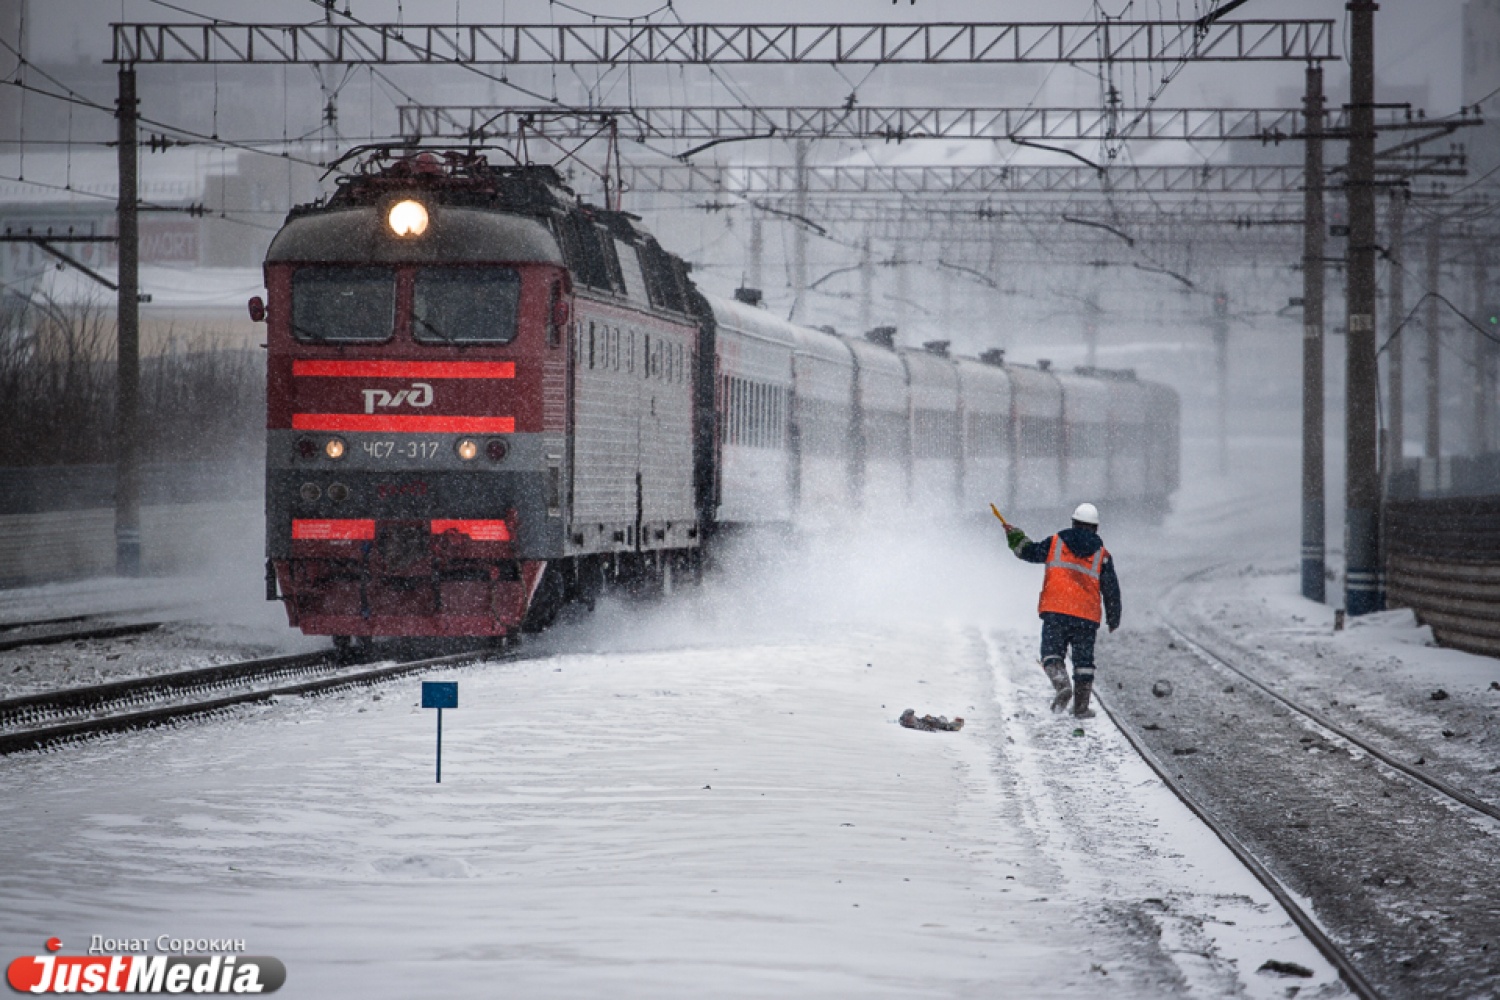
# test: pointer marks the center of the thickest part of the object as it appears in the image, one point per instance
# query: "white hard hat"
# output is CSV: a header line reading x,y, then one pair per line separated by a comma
x,y
1086,513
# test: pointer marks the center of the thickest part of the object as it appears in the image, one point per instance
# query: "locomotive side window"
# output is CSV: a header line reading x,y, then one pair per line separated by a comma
x,y
465,306
343,305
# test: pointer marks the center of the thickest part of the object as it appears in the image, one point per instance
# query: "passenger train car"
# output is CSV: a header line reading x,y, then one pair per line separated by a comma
x,y
486,399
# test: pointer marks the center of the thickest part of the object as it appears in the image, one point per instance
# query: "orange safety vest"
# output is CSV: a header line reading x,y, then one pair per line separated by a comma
x,y
1071,586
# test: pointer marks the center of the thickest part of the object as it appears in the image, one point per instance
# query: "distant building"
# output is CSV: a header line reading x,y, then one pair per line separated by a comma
x,y
1482,82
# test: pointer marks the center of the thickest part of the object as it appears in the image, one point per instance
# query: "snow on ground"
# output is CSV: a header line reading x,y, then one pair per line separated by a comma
x,y
215,614
703,796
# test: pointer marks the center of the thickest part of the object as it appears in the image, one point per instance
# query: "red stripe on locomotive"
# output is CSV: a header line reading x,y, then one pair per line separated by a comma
x,y
479,531
345,529
402,424
313,368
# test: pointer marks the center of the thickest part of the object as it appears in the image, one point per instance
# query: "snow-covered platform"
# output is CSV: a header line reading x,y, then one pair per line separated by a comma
x,y
706,796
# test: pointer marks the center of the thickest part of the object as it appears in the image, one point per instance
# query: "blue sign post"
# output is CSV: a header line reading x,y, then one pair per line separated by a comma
x,y
440,695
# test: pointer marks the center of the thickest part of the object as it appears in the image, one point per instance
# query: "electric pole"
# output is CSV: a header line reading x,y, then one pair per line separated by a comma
x,y
1314,547
1396,344
1483,386
1221,362
1362,563
1434,442
128,345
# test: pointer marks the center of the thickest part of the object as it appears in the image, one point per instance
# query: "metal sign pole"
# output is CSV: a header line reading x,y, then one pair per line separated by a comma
x,y
440,695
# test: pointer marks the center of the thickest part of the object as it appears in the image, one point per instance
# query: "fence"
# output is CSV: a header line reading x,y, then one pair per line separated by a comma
x,y
1443,562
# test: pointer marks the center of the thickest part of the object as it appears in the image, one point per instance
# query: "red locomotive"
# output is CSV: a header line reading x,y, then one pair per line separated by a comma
x,y
486,399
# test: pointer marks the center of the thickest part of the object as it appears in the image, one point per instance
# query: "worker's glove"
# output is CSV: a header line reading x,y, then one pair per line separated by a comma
x,y
1015,538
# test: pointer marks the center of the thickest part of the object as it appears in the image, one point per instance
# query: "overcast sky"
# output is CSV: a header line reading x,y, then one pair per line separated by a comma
x,y
1418,41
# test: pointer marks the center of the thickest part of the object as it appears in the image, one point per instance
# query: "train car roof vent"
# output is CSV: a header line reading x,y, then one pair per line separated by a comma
x,y
994,356
885,336
749,296
1045,364
938,347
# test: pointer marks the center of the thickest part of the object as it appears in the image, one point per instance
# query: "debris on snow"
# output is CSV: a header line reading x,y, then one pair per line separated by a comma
x,y
928,723
1285,969
1162,689
1439,695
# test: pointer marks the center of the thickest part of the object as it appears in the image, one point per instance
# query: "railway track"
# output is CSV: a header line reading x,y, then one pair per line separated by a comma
x,y
76,635
1396,860
1206,649
36,722
1305,921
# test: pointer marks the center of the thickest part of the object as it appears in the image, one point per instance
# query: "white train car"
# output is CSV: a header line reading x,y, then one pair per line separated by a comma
x,y
988,455
882,437
822,427
932,385
754,393
1036,426
1085,434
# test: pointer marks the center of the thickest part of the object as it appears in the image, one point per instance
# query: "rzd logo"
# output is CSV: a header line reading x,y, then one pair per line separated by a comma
x,y
419,395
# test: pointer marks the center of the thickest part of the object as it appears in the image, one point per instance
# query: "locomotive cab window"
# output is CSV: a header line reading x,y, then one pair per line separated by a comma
x,y
343,305
465,305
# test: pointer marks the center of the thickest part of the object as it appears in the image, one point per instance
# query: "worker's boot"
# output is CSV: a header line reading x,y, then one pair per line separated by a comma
x,y
1057,673
1081,693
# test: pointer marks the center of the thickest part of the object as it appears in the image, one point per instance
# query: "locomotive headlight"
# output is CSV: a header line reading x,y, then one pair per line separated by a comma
x,y
466,449
334,449
408,218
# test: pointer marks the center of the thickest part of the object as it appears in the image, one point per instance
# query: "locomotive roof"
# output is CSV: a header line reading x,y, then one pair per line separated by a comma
x,y
479,211
358,234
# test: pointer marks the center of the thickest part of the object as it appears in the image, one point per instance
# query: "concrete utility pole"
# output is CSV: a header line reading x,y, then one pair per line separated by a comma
x,y
128,346
1484,388
1362,562
757,250
1434,443
799,233
866,285
1221,363
1314,546
1091,330
1396,345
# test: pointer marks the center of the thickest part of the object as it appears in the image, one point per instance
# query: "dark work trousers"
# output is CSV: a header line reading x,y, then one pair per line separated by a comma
x,y
1059,632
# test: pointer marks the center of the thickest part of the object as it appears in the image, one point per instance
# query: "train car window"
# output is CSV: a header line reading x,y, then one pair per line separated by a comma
x,y
761,410
343,305
723,409
472,305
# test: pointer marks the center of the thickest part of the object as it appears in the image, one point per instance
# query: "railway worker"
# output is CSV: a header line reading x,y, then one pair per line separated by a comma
x,y
1080,574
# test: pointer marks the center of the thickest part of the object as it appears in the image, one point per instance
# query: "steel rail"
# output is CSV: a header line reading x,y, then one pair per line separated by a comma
x,y
41,737
1305,922
1198,645
80,635
41,622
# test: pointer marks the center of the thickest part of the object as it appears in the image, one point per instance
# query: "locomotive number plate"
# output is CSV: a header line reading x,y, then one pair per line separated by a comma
x,y
401,449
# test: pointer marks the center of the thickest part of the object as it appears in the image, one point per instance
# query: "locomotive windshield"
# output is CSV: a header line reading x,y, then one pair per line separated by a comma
x,y
343,304
465,305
